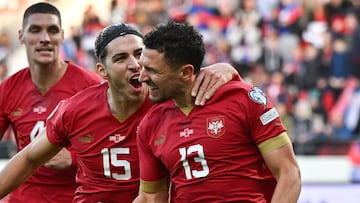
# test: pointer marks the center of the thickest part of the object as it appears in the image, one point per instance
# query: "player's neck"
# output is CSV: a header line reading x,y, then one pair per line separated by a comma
x,y
185,107
183,104
184,100
45,76
121,107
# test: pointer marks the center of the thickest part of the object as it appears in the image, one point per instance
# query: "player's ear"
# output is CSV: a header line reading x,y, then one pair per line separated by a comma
x,y
62,36
21,37
187,71
100,68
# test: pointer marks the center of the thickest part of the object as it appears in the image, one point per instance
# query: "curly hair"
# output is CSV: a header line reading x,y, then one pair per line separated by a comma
x,y
180,43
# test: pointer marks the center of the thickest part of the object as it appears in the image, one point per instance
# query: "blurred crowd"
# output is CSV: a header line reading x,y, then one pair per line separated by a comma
x,y
305,54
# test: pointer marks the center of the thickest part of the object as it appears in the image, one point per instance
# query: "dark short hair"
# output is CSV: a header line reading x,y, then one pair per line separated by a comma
x,y
180,43
41,7
109,33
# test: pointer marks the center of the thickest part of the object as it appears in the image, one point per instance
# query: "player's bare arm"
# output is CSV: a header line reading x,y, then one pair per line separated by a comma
x,y
25,163
283,164
61,160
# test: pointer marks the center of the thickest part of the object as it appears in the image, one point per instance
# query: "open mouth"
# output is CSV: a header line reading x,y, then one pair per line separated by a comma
x,y
134,82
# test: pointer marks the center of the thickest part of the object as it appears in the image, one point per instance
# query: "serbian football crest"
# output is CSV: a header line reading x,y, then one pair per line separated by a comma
x,y
215,126
258,96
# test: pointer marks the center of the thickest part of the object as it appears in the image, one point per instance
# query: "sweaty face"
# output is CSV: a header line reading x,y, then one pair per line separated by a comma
x,y
42,37
163,82
122,65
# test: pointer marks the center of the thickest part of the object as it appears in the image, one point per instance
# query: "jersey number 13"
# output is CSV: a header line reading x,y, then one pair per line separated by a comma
x,y
199,159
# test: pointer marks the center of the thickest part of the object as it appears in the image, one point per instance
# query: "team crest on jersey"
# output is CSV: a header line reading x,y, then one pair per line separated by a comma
x,y
258,96
215,126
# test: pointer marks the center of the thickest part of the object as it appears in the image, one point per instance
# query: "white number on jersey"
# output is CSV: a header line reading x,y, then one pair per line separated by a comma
x,y
112,159
200,159
36,129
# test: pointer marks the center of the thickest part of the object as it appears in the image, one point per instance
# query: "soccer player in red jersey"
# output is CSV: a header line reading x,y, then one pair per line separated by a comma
x,y
233,149
29,96
100,123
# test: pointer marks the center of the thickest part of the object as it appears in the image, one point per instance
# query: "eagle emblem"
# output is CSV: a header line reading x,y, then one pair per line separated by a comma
x,y
215,126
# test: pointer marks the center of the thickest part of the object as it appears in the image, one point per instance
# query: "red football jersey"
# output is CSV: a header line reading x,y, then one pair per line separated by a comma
x,y
106,148
25,109
211,153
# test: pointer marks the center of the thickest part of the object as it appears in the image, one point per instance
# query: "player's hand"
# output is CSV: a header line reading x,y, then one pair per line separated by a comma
x,y
210,79
61,160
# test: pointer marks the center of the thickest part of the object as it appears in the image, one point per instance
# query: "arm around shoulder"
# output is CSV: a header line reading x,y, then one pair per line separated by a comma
x,y
210,79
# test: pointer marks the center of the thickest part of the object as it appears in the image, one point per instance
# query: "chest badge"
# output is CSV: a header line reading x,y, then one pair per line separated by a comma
x,y
215,126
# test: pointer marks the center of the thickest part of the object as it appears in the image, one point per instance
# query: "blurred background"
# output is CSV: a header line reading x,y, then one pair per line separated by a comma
x,y
305,54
